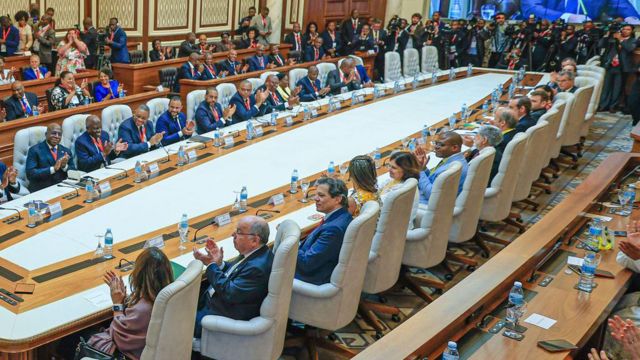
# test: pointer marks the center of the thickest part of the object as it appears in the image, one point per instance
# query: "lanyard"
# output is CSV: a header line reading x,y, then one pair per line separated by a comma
x,y
98,143
314,85
275,98
6,34
212,71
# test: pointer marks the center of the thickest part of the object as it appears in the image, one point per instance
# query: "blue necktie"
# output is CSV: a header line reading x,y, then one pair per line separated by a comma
x,y
25,105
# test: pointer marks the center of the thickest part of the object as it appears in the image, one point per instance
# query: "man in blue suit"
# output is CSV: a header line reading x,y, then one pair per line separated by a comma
x,y
521,106
577,11
209,114
191,70
315,52
138,133
209,71
258,62
10,37
310,88
117,41
448,147
48,161
174,124
231,66
248,105
236,288
21,104
274,99
94,149
35,71
10,186
318,254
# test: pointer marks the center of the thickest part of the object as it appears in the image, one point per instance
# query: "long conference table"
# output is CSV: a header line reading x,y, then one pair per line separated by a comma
x,y
58,255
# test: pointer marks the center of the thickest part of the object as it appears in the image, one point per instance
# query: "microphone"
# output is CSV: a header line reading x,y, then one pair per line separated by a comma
x,y
212,222
119,169
267,210
166,151
16,210
71,187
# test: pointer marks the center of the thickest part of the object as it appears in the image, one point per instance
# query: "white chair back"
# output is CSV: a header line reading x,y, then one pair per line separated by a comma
x,y
23,140
584,81
411,62
534,147
225,92
295,75
392,66
266,74
112,117
429,59
72,128
157,107
568,99
594,61
357,59
255,84
194,99
323,72
553,117
577,115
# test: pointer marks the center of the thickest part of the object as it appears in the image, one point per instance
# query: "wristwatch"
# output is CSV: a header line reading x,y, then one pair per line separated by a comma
x,y
118,307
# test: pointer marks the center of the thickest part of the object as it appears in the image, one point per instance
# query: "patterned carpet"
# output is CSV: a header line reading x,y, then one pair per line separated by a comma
x,y
609,133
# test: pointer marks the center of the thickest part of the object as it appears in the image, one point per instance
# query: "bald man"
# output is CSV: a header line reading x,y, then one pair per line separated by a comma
x,y
191,70
247,104
231,64
259,61
48,161
188,46
94,148
21,104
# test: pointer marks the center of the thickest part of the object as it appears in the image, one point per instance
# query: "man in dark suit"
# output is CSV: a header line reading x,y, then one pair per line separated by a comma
x,y
474,44
90,37
294,39
10,186
398,38
380,37
236,288
35,71
248,105
566,82
274,99
210,115
209,71
117,41
568,43
275,59
48,162
319,252
138,133
310,88
506,122
258,62
94,149
521,106
10,37
188,46
574,11
332,39
173,123
231,65
344,77
315,52
21,104
539,103
617,58
350,28
191,70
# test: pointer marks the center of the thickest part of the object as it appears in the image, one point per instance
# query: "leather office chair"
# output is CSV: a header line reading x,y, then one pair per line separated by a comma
x,y
22,141
429,59
568,100
137,56
50,106
112,117
426,244
157,107
499,195
392,66
594,61
72,127
323,72
411,62
333,305
225,92
261,337
385,256
357,59
194,98
571,139
255,84
168,77
295,75
589,78
553,117
266,74
466,212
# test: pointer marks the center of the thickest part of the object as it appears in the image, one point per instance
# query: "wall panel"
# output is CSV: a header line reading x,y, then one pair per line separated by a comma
x,y
68,13
11,7
214,15
128,12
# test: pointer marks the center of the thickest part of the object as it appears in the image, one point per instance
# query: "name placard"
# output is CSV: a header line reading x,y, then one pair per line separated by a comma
x,y
277,199
257,131
314,112
55,209
192,155
154,168
228,141
157,242
223,219
105,187
288,121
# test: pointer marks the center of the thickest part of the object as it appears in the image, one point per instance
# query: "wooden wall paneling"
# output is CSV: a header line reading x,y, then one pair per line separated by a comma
x,y
322,11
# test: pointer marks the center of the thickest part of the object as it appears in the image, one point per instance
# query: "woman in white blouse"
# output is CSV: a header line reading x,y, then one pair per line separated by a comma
x,y
6,75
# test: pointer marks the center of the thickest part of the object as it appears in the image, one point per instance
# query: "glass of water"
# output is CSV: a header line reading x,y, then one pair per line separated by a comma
x,y
304,185
405,142
343,169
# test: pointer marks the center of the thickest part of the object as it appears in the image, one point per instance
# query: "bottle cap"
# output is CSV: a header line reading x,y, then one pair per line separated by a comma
x,y
452,345
517,284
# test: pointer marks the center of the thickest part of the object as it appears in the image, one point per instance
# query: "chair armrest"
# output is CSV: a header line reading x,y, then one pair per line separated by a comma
x,y
417,234
255,326
317,291
491,192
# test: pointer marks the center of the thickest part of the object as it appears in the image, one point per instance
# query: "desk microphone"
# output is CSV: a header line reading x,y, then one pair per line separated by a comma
x,y
267,210
118,169
71,187
16,210
166,151
195,235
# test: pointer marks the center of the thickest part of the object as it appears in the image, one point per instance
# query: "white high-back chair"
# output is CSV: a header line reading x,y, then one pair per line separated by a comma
x,y
157,107
392,66
255,84
429,59
323,72
333,305
595,68
266,74
23,140
263,336
385,257
576,119
357,59
568,100
594,61
589,79
112,117
194,99
225,92
553,117
411,62
426,244
72,128
295,75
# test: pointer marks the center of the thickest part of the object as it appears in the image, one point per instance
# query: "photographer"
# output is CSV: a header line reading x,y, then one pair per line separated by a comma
x,y
587,42
617,45
500,38
474,43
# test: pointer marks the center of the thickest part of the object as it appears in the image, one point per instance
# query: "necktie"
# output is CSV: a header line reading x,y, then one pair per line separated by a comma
x,y
54,153
297,36
193,72
261,59
315,56
98,144
37,73
247,104
215,113
275,98
143,133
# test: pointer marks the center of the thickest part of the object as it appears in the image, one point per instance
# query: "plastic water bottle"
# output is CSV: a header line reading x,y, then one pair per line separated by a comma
x,y
464,111
512,90
595,231
434,77
244,195
396,87
294,182
216,138
108,244
516,303
181,156
452,73
121,93
587,272
415,82
331,170
89,189
138,170
354,98
485,107
630,194
377,158
35,111
452,122
470,69
452,352
376,92
32,215
274,119
183,229
306,113
425,133
249,130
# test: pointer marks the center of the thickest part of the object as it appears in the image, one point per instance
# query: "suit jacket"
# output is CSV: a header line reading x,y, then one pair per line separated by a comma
x,y
119,51
239,295
90,37
428,177
209,74
349,32
382,36
186,72
226,65
278,60
258,24
254,63
625,54
186,48
525,123
205,121
336,84
362,44
275,102
242,113
30,74
12,41
553,9
506,137
362,72
14,191
129,133
537,114
318,254
397,44
14,106
39,164
89,156
46,42
568,48
171,128
291,39
310,55
308,92
329,43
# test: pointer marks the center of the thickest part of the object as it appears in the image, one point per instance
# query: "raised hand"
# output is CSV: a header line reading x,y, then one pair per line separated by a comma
x,y
155,139
121,146
228,112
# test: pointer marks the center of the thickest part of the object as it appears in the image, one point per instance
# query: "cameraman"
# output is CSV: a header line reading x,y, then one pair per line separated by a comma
x,y
568,43
500,38
587,42
474,43
617,45
90,37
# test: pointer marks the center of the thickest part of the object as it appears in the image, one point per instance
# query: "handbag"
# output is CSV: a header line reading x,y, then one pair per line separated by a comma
x,y
85,350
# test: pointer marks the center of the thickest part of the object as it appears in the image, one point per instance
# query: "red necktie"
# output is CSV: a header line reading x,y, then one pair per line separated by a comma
x,y
247,104
315,56
143,133
297,36
98,143
37,73
215,113
261,61
275,98
279,60
264,22
54,153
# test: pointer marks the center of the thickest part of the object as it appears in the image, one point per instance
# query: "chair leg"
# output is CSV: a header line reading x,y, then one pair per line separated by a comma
x,y
485,252
493,239
545,187
462,259
531,203
407,280
521,227
333,347
366,308
435,284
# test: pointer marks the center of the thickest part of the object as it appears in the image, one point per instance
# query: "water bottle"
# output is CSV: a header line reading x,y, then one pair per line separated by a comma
x,y
274,119
463,111
216,138
396,87
412,145
183,229
32,215
516,303
249,130
452,122
354,98
331,170
121,93
108,244
294,182
306,113
512,90
138,170
452,73
452,352
595,232
522,73
89,191
587,272
35,111
244,195
630,194
181,156
470,69
485,107
415,82
425,133
377,158
434,77
376,92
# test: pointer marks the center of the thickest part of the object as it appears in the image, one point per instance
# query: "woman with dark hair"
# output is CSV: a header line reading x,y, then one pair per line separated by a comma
x,y
251,42
26,33
311,34
71,53
363,176
402,165
131,313
159,53
225,43
331,37
107,88
66,94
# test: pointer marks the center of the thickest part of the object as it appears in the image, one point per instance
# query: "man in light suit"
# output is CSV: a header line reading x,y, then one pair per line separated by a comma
x,y
48,161
262,22
319,252
210,115
310,88
137,131
21,104
236,288
248,105
344,77
448,147
174,124
117,41
94,149
577,11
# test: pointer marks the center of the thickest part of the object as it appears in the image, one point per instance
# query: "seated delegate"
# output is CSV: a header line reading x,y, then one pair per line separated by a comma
x,y
107,88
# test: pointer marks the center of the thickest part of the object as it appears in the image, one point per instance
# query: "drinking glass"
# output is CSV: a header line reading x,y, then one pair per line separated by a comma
x,y
304,185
